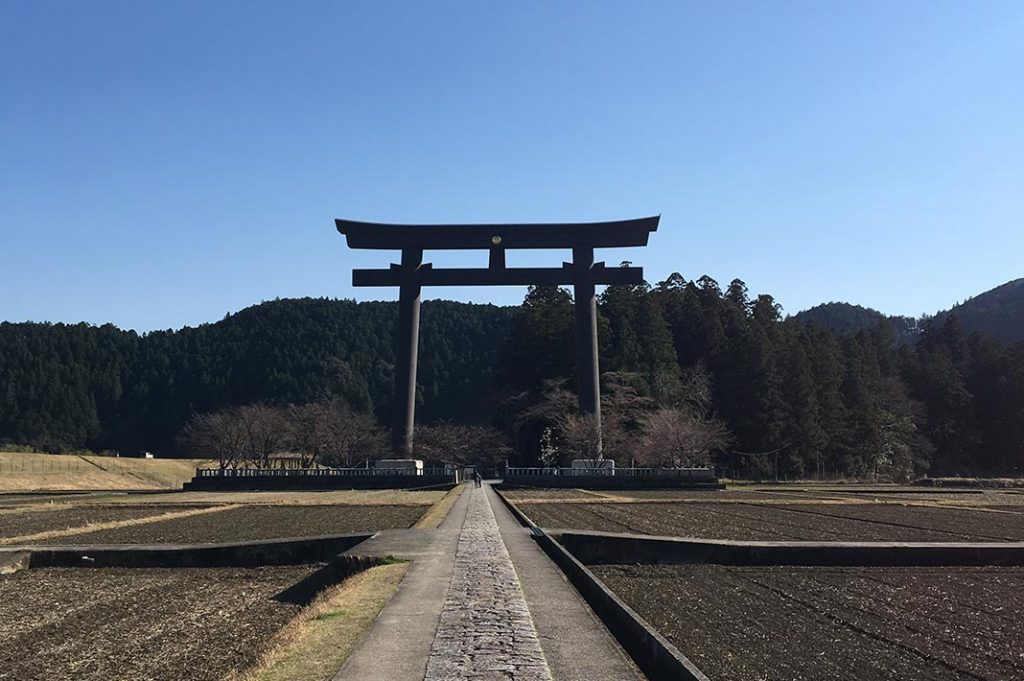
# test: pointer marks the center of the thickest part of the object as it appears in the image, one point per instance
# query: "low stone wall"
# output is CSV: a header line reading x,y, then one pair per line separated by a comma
x,y
605,548
292,551
337,569
659,659
656,657
216,483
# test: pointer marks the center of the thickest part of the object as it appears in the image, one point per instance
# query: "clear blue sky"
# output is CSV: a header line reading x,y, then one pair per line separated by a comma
x,y
162,164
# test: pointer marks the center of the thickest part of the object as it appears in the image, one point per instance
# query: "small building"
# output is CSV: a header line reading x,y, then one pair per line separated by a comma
x,y
286,460
400,466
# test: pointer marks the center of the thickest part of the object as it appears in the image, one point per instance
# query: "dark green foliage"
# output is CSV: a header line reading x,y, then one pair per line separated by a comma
x,y
998,312
540,345
72,386
637,340
798,398
844,317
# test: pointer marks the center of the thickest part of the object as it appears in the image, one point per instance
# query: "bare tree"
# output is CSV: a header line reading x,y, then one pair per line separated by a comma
x,y
580,436
675,437
353,438
329,432
462,445
220,434
325,432
266,430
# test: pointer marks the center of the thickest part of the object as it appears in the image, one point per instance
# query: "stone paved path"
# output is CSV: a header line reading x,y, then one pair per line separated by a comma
x,y
485,630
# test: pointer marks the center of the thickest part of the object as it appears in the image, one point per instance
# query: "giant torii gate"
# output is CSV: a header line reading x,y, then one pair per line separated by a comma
x,y
413,274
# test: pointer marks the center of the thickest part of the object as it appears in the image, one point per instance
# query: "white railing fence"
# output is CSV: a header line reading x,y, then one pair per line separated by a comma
x,y
672,473
320,472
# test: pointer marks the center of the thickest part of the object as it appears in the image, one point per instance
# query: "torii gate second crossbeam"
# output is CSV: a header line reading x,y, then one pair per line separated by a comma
x,y
583,274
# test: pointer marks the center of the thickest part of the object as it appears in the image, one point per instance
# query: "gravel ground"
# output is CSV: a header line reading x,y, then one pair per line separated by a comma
x,y
748,522
856,624
255,522
136,624
62,517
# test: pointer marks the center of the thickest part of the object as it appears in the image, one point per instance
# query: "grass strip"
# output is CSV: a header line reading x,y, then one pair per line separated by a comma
x,y
439,511
314,645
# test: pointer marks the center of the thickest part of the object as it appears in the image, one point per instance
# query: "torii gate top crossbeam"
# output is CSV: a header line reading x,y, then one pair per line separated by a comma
x,y
622,233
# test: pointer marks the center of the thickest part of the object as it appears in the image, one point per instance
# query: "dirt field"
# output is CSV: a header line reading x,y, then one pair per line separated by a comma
x,y
380,497
133,624
822,522
30,521
255,522
783,494
926,624
549,494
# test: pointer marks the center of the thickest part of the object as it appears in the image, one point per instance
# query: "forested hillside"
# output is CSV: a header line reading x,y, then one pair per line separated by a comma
x,y
999,312
845,317
788,397
65,386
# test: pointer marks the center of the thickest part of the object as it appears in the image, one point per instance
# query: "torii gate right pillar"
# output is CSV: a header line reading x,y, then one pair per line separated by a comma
x,y
588,372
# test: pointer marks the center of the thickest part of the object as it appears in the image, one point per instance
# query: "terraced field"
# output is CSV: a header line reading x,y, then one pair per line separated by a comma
x,y
912,624
26,522
254,522
748,521
125,624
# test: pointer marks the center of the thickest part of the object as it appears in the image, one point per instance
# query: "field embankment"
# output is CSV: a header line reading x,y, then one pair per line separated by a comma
x,y
25,472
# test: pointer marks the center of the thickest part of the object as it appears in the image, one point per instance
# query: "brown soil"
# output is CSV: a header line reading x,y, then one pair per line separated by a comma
x,y
705,494
519,494
155,624
63,517
748,522
255,522
968,498
781,623
987,525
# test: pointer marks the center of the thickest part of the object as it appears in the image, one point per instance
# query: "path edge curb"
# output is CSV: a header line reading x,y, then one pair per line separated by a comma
x,y
657,658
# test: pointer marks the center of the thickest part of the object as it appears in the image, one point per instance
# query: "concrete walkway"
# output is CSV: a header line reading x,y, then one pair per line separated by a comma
x,y
397,646
481,601
576,643
485,630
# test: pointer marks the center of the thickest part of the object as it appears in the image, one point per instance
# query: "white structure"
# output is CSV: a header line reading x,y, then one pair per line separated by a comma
x,y
401,466
592,467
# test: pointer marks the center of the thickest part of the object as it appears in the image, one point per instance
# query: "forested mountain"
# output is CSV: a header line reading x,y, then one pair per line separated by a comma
x,y
77,385
845,317
841,316
999,312
795,397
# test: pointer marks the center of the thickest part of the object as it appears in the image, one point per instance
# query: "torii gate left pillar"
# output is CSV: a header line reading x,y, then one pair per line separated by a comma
x,y
583,274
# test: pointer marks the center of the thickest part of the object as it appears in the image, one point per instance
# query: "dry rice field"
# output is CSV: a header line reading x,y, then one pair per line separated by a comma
x,y
843,624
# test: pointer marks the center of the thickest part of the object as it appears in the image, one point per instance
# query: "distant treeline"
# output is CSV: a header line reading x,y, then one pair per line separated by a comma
x,y
797,399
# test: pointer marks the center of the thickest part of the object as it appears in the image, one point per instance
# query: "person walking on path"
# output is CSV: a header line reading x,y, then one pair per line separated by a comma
x,y
477,480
